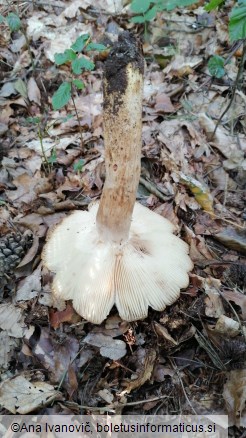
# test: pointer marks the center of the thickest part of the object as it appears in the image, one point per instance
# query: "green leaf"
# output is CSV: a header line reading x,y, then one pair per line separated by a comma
x,y
213,4
78,84
216,66
2,19
237,22
80,42
140,6
96,46
62,58
65,119
80,64
137,19
62,96
53,158
169,5
150,14
33,120
79,165
13,22
20,86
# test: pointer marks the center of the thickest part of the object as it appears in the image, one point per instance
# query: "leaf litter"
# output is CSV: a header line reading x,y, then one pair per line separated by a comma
x,y
196,181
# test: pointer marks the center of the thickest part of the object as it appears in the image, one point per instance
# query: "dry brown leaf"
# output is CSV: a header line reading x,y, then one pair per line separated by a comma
x,y
114,349
12,320
18,395
106,395
160,372
182,65
232,238
198,248
18,44
23,62
145,374
164,104
234,394
172,136
33,91
48,144
28,188
162,331
72,379
227,326
30,287
214,305
114,327
225,143
31,253
6,112
237,298
8,89
34,222
55,355
67,315
7,347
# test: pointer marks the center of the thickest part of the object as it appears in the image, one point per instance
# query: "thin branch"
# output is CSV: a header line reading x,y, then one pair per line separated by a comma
x,y
236,86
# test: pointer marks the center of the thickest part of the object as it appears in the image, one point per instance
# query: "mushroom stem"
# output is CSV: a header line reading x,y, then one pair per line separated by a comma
x,y
123,89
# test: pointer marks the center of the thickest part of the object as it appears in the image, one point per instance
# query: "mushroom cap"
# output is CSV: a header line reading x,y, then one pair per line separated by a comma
x,y
147,270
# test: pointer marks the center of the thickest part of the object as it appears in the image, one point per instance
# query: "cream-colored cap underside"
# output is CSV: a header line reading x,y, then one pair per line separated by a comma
x,y
148,270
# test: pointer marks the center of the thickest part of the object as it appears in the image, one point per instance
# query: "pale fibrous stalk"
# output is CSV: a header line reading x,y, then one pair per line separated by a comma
x,y
119,252
122,139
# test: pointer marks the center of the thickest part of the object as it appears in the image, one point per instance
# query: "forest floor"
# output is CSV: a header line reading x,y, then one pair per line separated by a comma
x,y
190,358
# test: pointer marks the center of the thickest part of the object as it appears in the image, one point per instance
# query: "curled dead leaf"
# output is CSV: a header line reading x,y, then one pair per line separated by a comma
x,y
145,374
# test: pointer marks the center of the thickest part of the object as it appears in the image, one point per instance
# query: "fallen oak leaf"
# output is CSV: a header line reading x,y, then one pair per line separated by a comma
x,y
19,395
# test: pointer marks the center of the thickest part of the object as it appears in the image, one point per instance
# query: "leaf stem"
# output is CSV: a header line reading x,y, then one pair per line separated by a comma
x,y
77,116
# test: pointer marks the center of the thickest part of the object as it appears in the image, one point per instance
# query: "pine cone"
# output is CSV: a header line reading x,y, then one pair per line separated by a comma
x,y
12,250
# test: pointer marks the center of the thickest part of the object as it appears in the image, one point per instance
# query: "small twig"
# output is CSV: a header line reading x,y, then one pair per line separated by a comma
x,y
119,405
235,87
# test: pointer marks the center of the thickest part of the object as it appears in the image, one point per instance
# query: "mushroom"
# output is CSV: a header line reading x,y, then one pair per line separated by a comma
x,y
119,252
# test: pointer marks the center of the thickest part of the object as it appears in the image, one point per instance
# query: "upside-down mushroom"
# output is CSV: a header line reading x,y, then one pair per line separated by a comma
x,y
119,252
